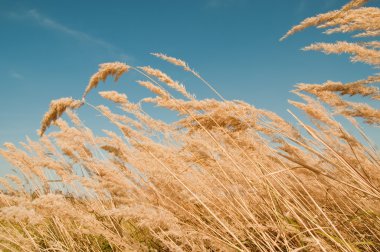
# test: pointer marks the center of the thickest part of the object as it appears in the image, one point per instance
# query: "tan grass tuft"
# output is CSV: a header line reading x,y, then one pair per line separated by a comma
x,y
360,53
114,96
155,89
325,17
167,80
115,69
173,60
56,109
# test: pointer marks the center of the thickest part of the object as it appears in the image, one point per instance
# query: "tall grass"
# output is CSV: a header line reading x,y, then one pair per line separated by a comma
x,y
225,176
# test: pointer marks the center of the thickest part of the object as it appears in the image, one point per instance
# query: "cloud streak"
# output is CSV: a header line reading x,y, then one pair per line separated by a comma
x,y
16,75
52,24
222,3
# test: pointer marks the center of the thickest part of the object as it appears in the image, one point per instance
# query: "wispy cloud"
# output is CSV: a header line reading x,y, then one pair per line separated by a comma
x,y
16,75
52,24
223,3
301,7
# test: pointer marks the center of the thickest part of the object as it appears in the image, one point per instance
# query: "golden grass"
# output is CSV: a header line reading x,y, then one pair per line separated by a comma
x,y
225,176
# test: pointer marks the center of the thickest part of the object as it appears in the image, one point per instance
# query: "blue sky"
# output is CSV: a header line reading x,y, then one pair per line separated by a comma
x,y
49,49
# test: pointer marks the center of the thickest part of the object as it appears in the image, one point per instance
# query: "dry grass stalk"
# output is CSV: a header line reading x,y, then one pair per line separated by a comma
x,y
115,69
354,88
56,109
362,19
166,79
114,96
186,67
326,17
173,60
155,89
361,54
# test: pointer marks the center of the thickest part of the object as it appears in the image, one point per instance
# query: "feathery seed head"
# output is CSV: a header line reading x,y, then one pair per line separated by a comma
x,y
57,108
115,69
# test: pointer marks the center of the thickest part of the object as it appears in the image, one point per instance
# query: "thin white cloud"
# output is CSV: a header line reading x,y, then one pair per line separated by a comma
x,y
52,24
301,7
16,75
223,3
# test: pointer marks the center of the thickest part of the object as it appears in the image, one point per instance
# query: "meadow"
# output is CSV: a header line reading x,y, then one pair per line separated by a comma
x,y
224,176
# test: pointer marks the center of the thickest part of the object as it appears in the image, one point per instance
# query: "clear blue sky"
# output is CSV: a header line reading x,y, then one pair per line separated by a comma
x,y
49,49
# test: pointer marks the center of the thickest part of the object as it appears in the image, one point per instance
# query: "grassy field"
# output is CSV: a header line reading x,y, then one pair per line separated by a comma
x,y
225,176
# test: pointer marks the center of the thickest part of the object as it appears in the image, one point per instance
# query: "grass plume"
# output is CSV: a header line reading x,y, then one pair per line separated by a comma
x,y
57,108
